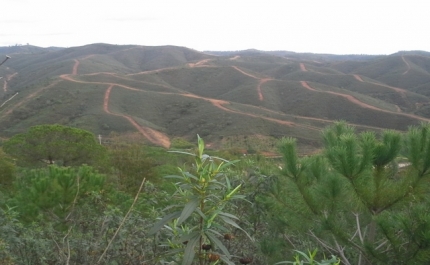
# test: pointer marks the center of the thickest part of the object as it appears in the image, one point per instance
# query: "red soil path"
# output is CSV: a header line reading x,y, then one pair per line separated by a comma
x,y
161,139
399,90
27,98
359,103
305,85
200,63
348,97
153,136
153,71
220,104
262,81
75,68
8,78
245,73
234,58
303,68
407,64
358,78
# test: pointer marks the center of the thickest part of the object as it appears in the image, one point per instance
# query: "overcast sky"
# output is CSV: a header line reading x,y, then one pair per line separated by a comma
x,y
318,26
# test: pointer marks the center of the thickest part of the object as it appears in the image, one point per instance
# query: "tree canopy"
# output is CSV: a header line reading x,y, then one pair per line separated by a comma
x,y
54,144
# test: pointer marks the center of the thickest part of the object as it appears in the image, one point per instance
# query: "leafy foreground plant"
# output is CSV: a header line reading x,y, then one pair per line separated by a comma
x,y
202,194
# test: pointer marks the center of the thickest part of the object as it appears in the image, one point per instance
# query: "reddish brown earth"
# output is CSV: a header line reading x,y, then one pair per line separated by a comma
x,y
201,63
153,136
7,79
348,97
262,81
303,68
234,58
161,139
153,71
75,68
27,98
359,103
358,78
407,65
399,90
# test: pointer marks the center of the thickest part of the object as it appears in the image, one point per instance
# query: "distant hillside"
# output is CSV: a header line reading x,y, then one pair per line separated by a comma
x,y
26,49
242,99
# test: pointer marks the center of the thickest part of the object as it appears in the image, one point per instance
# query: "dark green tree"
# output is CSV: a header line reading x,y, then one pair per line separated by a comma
x,y
361,199
51,144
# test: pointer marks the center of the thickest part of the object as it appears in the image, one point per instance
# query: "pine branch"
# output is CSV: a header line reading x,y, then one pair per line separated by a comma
x,y
357,219
340,250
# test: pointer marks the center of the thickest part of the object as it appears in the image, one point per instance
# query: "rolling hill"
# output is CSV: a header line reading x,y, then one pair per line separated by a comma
x,y
243,99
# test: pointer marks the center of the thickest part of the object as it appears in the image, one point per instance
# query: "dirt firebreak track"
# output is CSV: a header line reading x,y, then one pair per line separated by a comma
x,y
159,138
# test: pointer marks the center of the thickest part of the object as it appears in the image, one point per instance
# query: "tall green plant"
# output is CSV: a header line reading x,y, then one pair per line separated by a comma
x,y
198,221
355,200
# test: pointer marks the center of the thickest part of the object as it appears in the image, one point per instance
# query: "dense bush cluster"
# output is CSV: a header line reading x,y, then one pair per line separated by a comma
x,y
362,199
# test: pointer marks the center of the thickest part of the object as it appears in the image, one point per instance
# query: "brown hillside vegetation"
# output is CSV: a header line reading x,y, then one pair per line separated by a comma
x,y
165,92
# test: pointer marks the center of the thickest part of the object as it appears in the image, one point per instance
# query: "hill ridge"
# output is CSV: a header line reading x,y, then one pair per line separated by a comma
x,y
247,92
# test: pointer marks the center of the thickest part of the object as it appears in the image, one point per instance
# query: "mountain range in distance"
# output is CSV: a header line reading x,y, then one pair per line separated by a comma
x,y
236,99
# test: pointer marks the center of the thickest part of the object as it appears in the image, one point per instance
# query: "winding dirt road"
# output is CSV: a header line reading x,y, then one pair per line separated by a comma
x,y
407,65
161,139
358,78
75,68
27,98
354,100
7,79
153,136
303,67
201,63
262,81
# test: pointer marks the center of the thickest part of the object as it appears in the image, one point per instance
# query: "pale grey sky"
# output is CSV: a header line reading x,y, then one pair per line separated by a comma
x,y
319,26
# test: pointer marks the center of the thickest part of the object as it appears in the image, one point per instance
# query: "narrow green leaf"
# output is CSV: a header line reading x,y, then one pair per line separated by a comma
x,y
181,152
233,191
227,180
189,250
218,243
229,215
188,174
201,145
189,208
174,177
187,237
215,232
303,255
163,221
233,223
201,213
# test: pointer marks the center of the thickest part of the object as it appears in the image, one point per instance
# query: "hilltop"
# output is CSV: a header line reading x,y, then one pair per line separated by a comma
x,y
238,99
